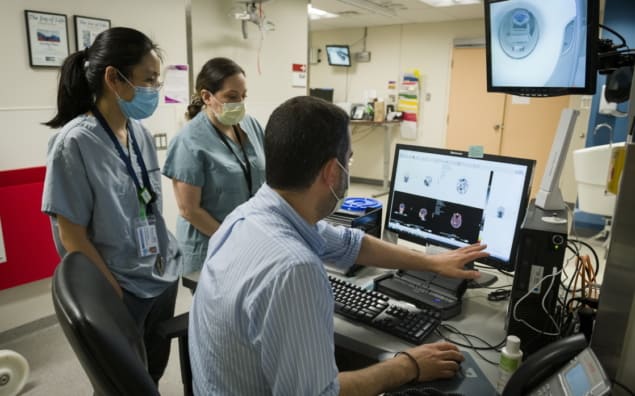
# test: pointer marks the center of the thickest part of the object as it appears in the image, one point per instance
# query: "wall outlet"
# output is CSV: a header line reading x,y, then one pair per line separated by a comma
x,y
160,141
363,56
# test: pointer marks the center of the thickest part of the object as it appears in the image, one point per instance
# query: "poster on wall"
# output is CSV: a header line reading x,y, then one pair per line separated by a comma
x,y
86,29
298,77
47,36
176,88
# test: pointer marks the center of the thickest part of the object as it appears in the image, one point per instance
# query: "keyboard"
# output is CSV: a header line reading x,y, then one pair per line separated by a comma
x,y
374,309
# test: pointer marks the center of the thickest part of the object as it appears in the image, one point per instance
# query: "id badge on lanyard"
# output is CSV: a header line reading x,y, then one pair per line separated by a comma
x,y
146,231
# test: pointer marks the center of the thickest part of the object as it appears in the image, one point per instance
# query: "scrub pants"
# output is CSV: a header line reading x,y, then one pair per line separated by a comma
x,y
148,313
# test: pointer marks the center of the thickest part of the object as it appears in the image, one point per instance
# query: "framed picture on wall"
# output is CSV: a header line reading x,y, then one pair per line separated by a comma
x,y
86,29
47,36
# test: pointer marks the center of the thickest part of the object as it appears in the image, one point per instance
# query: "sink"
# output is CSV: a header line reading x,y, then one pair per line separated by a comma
x,y
591,169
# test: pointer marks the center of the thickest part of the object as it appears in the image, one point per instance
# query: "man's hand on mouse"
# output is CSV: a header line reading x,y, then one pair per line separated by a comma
x,y
437,360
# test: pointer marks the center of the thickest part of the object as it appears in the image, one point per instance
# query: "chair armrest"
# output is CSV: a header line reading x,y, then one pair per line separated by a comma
x,y
175,327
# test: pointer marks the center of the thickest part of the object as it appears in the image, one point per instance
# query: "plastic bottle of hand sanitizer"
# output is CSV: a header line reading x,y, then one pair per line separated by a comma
x,y
510,359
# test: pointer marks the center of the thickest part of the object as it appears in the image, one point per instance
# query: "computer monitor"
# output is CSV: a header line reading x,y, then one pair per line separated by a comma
x,y
338,55
446,198
322,93
541,48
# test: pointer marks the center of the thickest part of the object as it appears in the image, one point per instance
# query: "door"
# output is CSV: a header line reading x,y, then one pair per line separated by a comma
x,y
530,126
475,117
502,124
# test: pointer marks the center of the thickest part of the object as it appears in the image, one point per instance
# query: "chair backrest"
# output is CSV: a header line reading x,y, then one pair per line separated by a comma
x,y
100,329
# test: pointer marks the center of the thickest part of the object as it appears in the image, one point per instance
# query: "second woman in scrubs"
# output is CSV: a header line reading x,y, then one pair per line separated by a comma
x,y
216,162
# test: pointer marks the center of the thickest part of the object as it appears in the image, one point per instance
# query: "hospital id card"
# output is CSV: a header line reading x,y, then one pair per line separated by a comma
x,y
146,235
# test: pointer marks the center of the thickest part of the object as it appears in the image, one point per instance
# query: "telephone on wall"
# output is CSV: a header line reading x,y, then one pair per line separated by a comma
x,y
566,367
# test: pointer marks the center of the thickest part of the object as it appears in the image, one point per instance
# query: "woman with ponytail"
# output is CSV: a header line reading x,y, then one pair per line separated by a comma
x,y
103,185
217,161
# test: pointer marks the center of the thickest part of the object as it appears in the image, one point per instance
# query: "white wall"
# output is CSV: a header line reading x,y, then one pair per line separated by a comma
x,y
215,33
28,94
394,50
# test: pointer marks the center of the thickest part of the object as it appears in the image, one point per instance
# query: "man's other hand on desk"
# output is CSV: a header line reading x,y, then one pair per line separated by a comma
x,y
377,253
422,363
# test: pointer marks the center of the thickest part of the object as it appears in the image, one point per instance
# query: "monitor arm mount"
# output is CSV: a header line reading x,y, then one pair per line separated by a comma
x,y
615,61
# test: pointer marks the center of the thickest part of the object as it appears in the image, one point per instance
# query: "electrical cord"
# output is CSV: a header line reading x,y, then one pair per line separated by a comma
x,y
466,336
531,290
624,387
627,389
616,34
595,255
486,266
451,329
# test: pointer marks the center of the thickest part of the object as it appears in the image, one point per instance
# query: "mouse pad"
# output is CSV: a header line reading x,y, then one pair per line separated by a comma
x,y
469,381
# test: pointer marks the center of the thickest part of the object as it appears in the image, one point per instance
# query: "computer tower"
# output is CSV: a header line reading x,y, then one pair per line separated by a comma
x,y
539,260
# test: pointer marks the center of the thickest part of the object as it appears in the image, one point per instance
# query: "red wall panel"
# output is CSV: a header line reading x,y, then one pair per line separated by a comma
x,y
28,241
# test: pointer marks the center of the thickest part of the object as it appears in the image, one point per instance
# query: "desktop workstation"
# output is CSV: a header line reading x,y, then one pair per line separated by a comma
x,y
491,185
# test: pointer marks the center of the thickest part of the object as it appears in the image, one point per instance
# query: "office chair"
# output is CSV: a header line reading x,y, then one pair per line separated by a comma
x,y
100,329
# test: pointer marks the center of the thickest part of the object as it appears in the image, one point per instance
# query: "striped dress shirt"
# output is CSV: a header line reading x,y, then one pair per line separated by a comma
x,y
261,322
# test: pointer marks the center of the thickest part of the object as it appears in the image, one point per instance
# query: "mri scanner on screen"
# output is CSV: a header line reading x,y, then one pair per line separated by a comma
x,y
538,44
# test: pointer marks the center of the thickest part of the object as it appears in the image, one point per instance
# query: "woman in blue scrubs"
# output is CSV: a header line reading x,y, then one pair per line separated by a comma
x,y
216,162
102,189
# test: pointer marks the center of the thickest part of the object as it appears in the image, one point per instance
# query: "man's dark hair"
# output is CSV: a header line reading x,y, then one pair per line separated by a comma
x,y
302,135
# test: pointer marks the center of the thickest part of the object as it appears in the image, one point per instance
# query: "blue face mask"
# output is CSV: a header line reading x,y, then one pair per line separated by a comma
x,y
143,104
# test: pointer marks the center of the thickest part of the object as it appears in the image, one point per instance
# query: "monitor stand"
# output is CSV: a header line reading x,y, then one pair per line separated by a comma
x,y
485,280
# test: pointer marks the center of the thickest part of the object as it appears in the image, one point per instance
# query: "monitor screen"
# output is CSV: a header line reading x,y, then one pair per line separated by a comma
x,y
541,48
322,93
338,55
443,197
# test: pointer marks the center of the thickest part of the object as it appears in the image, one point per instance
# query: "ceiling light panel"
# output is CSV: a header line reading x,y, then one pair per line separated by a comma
x,y
371,6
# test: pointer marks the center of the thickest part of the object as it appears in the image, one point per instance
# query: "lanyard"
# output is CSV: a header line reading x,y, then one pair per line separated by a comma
x,y
246,167
146,195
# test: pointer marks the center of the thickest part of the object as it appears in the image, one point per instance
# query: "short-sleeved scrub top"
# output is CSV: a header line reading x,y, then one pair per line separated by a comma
x,y
198,156
88,183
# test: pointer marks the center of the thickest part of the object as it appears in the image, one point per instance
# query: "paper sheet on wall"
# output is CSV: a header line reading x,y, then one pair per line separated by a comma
x,y
408,130
3,252
176,88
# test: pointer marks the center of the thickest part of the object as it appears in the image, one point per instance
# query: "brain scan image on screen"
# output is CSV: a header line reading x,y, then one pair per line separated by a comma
x,y
462,186
456,220
423,212
538,43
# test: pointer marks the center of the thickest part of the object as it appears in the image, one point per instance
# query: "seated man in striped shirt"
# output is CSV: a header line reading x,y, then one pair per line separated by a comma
x,y
262,318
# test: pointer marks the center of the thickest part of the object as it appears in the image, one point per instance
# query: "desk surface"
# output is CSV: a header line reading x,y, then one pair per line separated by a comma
x,y
479,317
